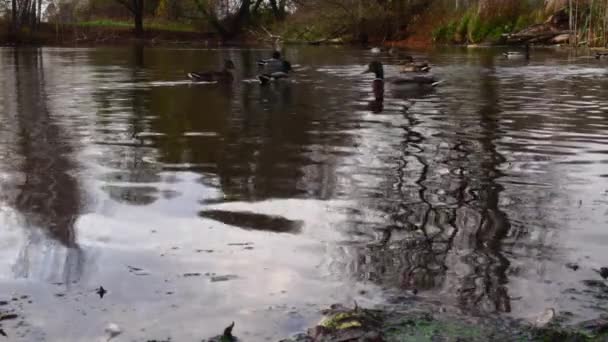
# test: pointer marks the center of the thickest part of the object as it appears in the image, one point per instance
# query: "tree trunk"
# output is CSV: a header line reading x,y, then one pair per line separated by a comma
x,y
139,25
242,17
139,17
14,23
278,9
256,7
606,26
39,19
136,7
33,15
213,20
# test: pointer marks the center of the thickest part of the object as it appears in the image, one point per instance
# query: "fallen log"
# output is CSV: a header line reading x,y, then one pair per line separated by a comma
x,y
542,37
561,39
334,38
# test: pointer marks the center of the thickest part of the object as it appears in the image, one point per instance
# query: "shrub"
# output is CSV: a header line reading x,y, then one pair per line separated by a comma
x,y
445,33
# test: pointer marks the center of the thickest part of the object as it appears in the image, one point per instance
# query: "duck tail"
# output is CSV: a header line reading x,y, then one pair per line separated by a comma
x,y
264,79
193,76
434,84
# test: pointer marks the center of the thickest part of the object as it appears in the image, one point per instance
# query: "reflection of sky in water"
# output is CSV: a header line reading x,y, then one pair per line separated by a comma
x,y
476,194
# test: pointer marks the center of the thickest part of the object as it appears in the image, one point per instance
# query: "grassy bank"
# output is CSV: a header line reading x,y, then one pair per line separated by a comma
x,y
473,27
151,25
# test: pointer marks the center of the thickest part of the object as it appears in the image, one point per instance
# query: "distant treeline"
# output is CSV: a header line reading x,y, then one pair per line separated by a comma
x,y
450,21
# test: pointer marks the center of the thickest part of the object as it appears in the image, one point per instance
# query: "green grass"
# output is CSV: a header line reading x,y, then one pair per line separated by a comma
x,y
471,28
106,23
154,25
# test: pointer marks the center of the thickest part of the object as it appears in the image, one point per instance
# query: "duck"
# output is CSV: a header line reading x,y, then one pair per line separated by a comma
x,y
405,58
377,69
601,55
375,51
406,62
266,78
518,54
215,76
415,67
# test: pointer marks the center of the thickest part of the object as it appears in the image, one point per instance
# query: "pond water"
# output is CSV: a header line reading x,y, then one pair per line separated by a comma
x,y
195,205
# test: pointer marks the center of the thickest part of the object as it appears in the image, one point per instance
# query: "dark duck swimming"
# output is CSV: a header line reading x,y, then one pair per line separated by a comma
x,y
273,69
417,80
225,75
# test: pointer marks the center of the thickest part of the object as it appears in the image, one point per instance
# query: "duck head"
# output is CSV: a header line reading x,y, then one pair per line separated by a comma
x,y
286,66
376,68
229,65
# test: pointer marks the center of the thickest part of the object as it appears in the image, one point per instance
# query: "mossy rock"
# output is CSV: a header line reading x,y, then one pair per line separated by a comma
x,y
424,327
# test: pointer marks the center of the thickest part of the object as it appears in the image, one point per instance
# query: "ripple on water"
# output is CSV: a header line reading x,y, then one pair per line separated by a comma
x,y
474,193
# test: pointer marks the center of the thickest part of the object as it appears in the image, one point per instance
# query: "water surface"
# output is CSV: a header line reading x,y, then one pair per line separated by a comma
x,y
196,205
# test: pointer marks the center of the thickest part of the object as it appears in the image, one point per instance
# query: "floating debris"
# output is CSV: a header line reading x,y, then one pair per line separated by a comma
x,y
225,337
186,275
572,266
8,316
113,330
228,277
254,221
101,291
545,318
137,271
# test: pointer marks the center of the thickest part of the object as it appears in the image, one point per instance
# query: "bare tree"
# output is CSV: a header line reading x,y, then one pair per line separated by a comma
x,y
136,7
227,20
24,13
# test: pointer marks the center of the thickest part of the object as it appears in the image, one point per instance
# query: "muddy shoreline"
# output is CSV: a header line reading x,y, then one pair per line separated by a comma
x,y
394,323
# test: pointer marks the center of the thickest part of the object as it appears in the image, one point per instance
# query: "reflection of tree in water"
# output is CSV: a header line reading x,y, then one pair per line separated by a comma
x,y
264,154
485,287
411,252
120,137
49,197
253,143
445,203
263,140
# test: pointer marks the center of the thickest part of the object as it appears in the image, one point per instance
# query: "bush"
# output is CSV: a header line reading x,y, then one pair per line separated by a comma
x,y
445,33
473,27
463,28
476,29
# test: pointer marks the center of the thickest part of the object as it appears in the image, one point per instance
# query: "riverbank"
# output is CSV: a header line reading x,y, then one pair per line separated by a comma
x,y
396,323
118,33
342,324
106,33
399,324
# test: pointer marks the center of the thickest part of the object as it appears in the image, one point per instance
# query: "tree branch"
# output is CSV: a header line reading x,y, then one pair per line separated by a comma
x,y
128,4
